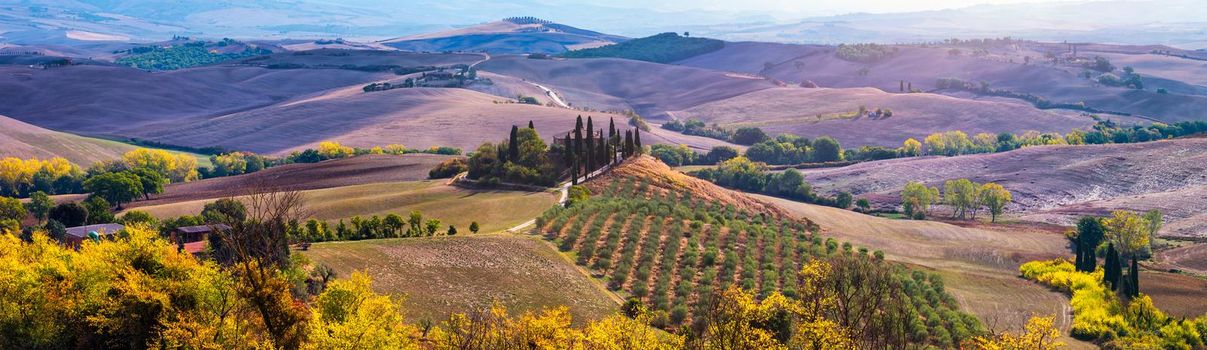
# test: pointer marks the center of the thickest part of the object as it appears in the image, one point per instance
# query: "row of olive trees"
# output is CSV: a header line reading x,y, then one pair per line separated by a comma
x,y
966,199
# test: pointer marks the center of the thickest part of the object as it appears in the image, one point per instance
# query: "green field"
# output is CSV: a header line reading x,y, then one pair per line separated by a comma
x,y
442,275
493,210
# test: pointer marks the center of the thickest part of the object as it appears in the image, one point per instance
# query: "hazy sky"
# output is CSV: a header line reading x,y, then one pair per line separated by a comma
x,y
796,8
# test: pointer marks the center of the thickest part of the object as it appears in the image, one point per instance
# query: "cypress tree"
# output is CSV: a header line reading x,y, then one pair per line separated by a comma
x,y
628,143
590,154
612,140
637,140
1110,267
1089,235
530,126
1134,273
578,142
513,146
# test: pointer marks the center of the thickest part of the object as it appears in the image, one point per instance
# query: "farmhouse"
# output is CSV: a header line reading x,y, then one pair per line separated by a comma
x,y
193,239
77,235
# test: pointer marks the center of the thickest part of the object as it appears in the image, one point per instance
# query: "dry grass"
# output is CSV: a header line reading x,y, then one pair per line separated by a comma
x,y
442,275
19,139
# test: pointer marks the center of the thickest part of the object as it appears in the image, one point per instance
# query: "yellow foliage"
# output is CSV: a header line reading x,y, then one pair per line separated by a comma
x,y
911,147
17,172
332,150
1040,334
177,167
348,315
1128,231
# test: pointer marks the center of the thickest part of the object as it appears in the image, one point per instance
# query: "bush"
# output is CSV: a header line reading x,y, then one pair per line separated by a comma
x,y
449,168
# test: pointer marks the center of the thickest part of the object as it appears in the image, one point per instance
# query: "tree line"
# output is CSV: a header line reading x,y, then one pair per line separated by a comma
x,y
965,198
745,175
524,158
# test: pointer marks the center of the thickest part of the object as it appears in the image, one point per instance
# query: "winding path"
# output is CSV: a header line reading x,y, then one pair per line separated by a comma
x,y
553,95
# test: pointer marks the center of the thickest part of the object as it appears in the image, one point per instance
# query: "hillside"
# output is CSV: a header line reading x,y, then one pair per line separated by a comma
x,y
831,111
648,88
358,59
512,35
22,140
660,48
1018,67
661,178
1050,180
415,117
119,101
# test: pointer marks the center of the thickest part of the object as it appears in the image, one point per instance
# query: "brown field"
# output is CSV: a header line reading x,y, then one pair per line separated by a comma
x,y
493,210
1054,180
333,58
358,170
416,117
442,275
1176,294
816,112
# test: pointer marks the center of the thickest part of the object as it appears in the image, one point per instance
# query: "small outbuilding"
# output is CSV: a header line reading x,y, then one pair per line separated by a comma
x,y
77,235
194,239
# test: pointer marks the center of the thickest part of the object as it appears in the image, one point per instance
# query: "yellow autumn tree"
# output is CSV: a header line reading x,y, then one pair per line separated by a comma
x,y
1129,232
177,167
911,147
349,315
333,150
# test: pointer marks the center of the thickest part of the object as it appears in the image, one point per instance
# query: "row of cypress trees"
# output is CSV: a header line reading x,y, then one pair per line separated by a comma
x,y
587,152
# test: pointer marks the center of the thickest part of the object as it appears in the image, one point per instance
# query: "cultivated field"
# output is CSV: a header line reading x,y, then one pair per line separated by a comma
x,y
442,275
825,111
494,210
505,37
360,170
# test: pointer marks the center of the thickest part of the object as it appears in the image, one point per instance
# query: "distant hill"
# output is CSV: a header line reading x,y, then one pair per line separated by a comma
x,y
661,48
511,35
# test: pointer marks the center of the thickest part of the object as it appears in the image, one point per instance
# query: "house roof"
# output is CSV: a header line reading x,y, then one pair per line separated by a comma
x,y
101,229
202,228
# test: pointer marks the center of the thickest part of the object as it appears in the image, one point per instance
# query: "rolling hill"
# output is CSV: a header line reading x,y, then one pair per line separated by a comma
x,y
832,111
1001,67
648,88
1056,183
511,35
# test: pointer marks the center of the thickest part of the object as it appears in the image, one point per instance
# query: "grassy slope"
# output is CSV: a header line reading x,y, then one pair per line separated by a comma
x,y
493,210
26,141
442,275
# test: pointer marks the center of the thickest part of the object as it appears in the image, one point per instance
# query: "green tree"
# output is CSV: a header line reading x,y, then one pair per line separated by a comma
x,y
916,199
98,210
226,210
432,225
152,181
742,136
1090,233
116,188
473,227
452,230
69,214
39,205
863,205
11,209
416,222
137,217
961,195
995,197
1129,232
513,146
1155,221
826,149
394,223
